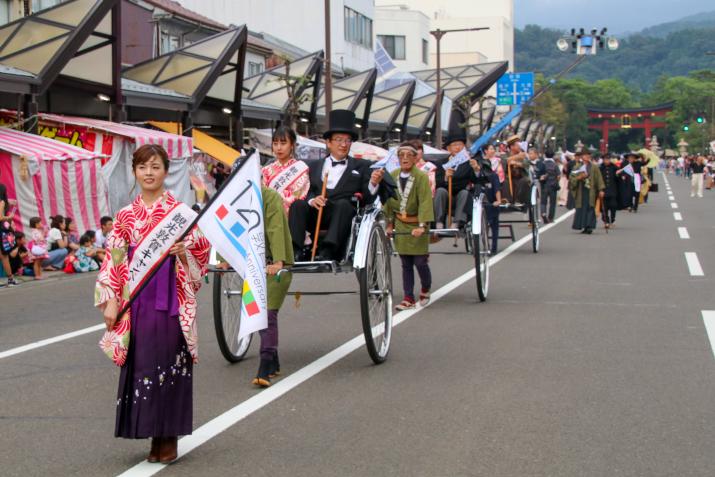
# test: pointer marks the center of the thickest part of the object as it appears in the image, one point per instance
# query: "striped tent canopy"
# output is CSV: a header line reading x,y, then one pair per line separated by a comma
x,y
47,178
175,145
38,148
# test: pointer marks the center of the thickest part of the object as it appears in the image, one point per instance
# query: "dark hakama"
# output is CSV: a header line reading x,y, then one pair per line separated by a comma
x,y
155,384
585,217
625,192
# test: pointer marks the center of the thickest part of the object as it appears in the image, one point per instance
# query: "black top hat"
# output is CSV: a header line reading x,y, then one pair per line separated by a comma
x,y
341,121
454,137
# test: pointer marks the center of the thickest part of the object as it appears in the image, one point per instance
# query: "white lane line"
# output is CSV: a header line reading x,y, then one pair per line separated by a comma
x,y
222,422
674,205
694,264
677,216
683,232
709,320
49,341
671,197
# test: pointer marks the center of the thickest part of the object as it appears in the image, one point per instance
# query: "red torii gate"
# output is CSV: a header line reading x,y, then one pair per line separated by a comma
x,y
647,118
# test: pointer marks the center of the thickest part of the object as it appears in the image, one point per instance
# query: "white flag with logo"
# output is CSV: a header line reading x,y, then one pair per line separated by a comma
x,y
233,223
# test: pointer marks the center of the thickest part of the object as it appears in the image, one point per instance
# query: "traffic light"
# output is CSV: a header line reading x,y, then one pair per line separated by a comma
x,y
700,119
686,127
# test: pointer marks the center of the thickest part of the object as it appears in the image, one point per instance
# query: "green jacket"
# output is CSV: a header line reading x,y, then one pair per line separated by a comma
x,y
419,203
595,180
278,246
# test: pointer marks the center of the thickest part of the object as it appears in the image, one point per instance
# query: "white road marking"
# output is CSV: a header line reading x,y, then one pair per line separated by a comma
x,y
674,205
244,409
694,264
709,320
677,216
683,232
671,197
49,341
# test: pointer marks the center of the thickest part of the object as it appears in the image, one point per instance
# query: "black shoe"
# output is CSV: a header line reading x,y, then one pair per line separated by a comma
x,y
263,378
11,282
276,368
588,231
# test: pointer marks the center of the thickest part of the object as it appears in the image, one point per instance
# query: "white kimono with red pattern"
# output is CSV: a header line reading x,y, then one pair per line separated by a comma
x,y
290,180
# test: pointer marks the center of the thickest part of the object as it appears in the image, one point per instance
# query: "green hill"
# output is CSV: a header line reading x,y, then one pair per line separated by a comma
x,y
701,20
641,59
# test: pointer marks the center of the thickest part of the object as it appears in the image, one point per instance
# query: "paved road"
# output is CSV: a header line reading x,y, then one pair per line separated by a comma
x,y
591,358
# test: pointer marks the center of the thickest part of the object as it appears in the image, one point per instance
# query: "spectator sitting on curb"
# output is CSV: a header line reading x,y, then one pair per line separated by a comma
x,y
19,255
72,235
98,252
100,239
58,244
85,256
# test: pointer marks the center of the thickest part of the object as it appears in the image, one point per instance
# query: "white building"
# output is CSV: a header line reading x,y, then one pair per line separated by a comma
x,y
495,44
301,23
404,33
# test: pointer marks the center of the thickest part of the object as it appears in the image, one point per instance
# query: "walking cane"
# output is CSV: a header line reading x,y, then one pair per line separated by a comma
x,y
449,202
511,187
320,218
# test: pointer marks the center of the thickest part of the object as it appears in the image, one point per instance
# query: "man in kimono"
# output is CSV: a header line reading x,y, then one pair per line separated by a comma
x,y
517,186
409,215
610,196
586,185
461,184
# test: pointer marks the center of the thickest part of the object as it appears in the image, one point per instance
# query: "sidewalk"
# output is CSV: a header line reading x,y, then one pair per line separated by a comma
x,y
49,277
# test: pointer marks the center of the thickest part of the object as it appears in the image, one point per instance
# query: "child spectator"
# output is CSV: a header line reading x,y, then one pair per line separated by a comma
x,y
38,247
85,256
99,252
19,254
100,239
72,235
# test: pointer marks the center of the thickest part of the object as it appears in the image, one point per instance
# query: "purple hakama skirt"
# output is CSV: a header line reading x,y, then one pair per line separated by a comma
x,y
155,396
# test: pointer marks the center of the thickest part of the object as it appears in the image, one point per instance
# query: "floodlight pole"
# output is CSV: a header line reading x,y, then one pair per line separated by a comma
x,y
328,66
438,34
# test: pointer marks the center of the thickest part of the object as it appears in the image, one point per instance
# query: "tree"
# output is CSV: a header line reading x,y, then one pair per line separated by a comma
x,y
296,89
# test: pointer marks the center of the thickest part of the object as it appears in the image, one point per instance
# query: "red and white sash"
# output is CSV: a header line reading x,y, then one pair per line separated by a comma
x,y
283,180
154,246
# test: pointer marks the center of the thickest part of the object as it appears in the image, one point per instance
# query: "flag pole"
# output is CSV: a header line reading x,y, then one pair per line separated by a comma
x,y
241,163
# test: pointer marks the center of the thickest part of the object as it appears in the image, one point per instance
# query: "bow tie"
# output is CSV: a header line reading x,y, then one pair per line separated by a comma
x,y
338,163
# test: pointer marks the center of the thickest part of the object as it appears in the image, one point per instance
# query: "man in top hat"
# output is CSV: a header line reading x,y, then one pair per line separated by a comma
x,y
346,177
461,176
517,186
610,192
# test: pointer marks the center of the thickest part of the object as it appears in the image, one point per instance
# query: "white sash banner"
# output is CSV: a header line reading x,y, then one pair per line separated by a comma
x,y
285,178
152,249
233,223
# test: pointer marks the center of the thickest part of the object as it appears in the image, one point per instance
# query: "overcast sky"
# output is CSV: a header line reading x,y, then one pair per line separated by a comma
x,y
618,15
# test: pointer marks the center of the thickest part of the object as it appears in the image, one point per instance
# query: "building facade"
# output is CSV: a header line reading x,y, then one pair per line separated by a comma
x,y
495,44
404,33
301,23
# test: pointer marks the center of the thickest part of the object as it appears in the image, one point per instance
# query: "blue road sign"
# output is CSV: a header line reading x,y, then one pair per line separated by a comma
x,y
515,88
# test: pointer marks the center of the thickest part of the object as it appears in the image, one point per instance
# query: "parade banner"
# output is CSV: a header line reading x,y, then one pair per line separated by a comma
x,y
154,246
233,223
629,170
389,163
457,160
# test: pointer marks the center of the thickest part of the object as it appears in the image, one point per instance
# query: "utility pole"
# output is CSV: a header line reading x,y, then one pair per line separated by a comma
x,y
328,67
438,34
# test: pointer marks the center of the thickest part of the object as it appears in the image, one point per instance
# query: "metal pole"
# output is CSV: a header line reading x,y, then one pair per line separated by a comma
x,y
328,67
438,104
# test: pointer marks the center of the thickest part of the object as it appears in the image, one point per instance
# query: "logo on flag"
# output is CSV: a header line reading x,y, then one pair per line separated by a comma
x,y
233,224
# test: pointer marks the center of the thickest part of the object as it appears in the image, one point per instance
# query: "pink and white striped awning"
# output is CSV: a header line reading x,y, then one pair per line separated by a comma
x,y
176,146
39,148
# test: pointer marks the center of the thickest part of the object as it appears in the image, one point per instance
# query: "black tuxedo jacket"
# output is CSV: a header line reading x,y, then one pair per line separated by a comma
x,y
356,178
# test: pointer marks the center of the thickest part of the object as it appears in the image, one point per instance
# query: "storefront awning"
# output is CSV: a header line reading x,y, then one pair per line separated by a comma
x,y
468,81
212,67
389,105
73,39
352,93
38,148
204,143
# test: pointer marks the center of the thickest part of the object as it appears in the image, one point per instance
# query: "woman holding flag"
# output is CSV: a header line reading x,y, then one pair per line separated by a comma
x,y
146,289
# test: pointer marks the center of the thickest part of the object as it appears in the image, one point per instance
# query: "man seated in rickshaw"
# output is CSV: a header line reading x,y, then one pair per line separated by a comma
x,y
344,177
516,189
462,184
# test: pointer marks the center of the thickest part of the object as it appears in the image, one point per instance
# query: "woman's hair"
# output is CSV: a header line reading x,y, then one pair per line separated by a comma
x,y
86,238
34,221
144,154
92,234
284,132
55,221
19,235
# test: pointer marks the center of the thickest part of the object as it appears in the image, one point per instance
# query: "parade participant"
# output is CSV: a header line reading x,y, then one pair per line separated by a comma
x,y
489,152
425,166
155,398
279,254
610,196
492,189
344,177
586,185
517,186
409,215
461,183
696,181
630,187
549,174
286,175
564,180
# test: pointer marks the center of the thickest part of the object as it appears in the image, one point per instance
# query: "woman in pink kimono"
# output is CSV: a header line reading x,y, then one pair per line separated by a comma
x,y
286,175
155,341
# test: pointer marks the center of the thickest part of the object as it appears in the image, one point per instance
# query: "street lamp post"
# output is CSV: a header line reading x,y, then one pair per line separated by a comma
x,y
328,66
438,34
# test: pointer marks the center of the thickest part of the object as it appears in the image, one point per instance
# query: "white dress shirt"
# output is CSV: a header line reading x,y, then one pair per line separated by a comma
x,y
335,173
